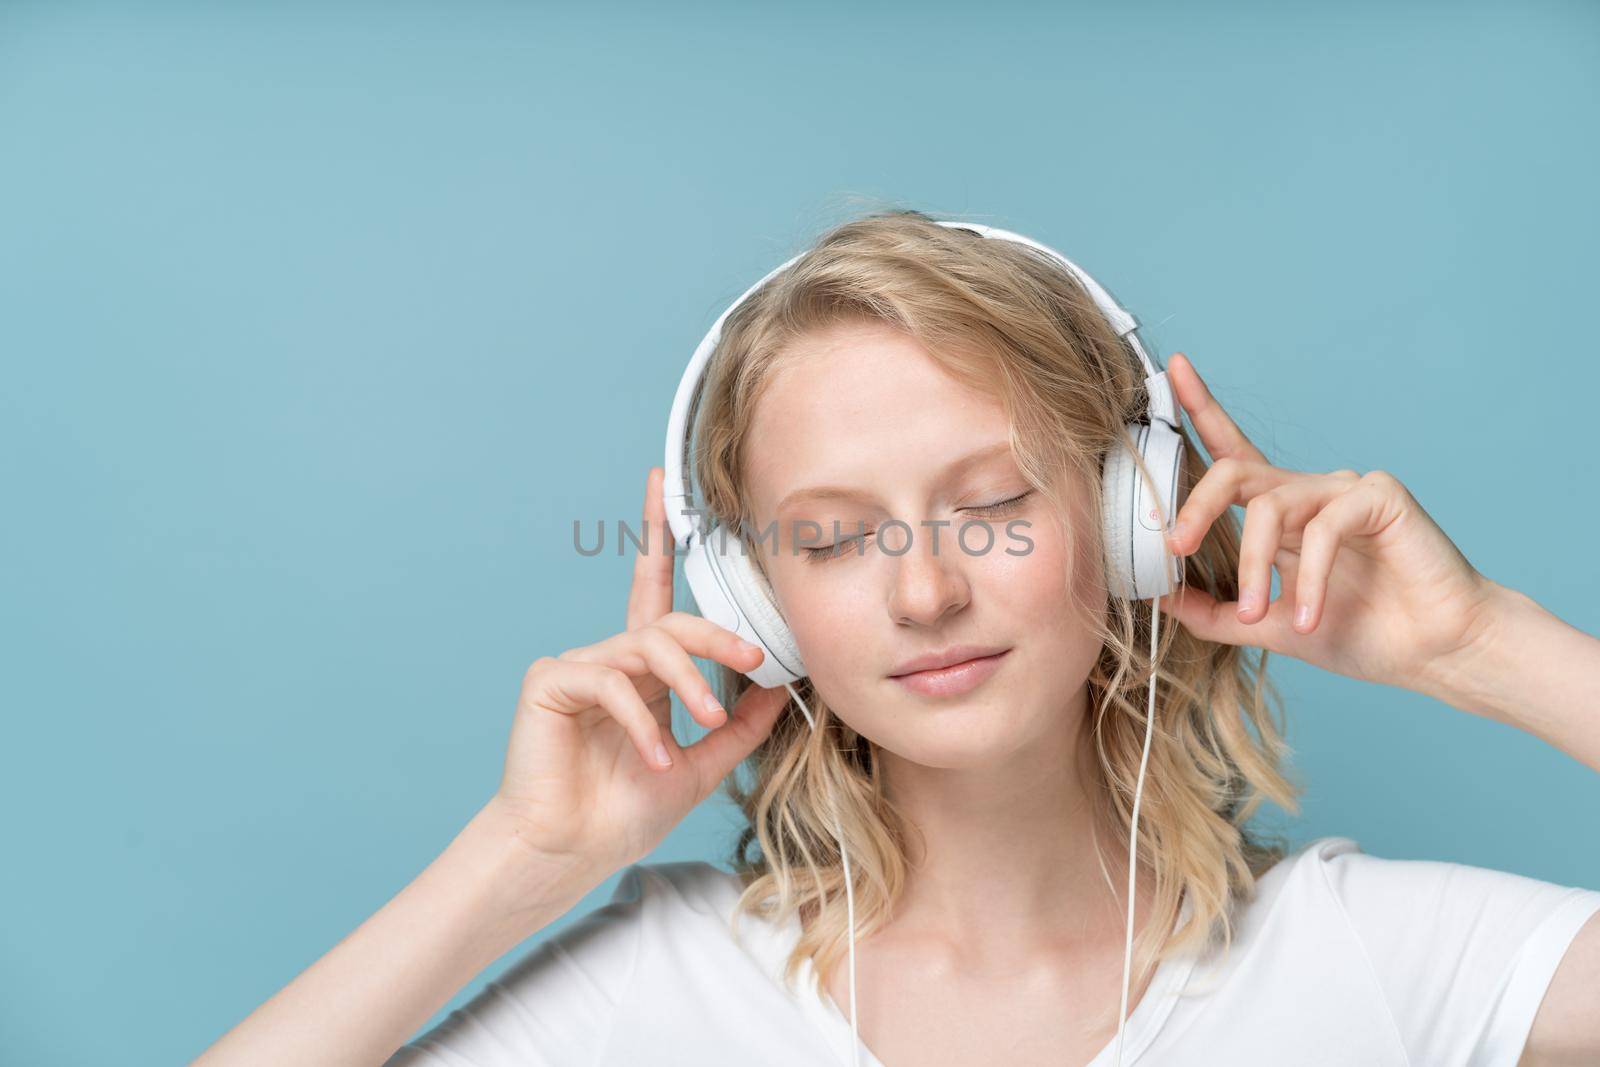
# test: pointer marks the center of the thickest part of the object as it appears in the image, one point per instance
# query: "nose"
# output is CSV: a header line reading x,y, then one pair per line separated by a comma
x,y
929,580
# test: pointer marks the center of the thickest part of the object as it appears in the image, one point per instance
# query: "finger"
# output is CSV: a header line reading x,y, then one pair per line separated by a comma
x,y
1268,518
658,654
567,687
1218,432
1211,619
715,756
651,594
1351,514
704,638
1227,482
651,650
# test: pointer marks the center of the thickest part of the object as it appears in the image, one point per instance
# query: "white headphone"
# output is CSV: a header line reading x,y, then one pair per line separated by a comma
x,y
730,590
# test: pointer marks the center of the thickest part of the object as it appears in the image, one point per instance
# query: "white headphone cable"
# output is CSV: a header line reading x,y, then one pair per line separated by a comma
x,y
849,900
1133,831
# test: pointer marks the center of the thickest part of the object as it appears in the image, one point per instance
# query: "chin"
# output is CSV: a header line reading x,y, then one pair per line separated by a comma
x,y
961,734
958,756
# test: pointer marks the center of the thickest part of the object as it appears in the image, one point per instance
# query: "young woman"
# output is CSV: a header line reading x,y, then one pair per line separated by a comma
x,y
973,724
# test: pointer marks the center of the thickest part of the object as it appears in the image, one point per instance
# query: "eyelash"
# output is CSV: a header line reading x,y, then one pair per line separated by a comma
x,y
988,511
991,510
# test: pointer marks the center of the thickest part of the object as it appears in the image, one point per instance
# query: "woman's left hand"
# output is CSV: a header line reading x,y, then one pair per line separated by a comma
x,y
1371,587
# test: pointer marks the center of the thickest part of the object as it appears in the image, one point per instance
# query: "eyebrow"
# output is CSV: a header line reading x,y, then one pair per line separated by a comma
x,y
842,492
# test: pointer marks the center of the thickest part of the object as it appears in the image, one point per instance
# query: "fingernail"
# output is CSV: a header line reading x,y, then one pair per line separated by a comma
x,y
713,706
750,646
1248,601
1175,535
661,755
1302,616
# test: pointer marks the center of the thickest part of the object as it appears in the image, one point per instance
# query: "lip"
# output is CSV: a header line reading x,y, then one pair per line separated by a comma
x,y
948,657
951,673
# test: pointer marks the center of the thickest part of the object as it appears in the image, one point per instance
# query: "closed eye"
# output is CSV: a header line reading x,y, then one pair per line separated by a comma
x,y
989,510
830,551
838,548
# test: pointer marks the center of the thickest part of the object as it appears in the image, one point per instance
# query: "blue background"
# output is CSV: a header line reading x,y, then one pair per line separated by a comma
x,y
321,324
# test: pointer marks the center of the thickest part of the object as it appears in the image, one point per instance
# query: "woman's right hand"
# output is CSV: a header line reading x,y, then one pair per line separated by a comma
x,y
582,784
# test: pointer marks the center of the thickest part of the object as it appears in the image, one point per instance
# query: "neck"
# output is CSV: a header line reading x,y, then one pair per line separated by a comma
x,y
1004,855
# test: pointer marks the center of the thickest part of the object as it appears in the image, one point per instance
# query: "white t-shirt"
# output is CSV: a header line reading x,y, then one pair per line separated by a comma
x,y
1342,958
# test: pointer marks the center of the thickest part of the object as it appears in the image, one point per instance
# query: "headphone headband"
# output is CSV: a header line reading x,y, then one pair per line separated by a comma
x,y
674,490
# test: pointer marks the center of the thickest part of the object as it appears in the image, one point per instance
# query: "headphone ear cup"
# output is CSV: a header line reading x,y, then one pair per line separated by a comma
x,y
1116,519
1139,564
731,592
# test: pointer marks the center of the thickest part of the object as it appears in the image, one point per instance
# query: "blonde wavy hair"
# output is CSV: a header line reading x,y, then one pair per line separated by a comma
x,y
1009,321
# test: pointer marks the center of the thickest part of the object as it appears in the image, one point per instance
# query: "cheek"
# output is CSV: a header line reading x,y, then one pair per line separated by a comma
x,y
1031,582
1053,596
836,619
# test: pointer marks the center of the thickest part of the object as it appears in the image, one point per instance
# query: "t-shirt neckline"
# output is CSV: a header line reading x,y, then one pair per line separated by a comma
x,y
1144,1022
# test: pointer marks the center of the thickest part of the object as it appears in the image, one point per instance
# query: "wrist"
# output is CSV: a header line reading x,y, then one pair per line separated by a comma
x,y
1469,677
521,889
1485,675
1528,669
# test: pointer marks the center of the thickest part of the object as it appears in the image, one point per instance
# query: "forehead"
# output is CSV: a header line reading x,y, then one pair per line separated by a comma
x,y
862,404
